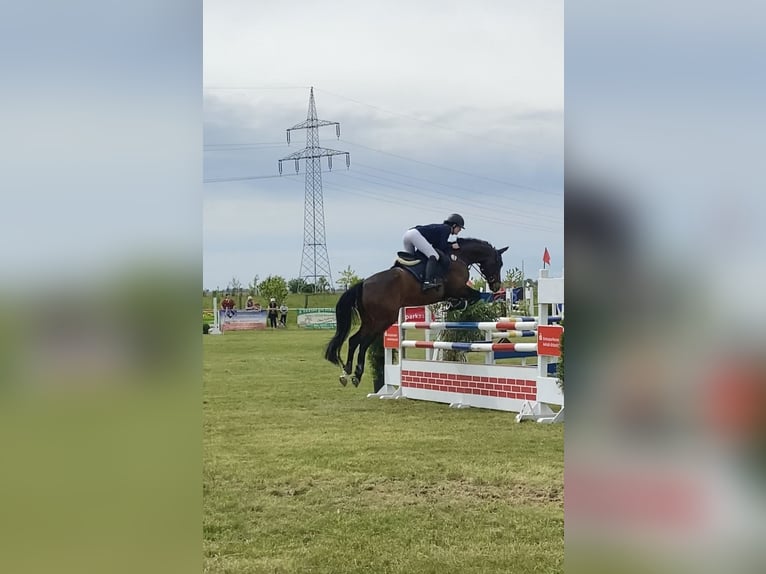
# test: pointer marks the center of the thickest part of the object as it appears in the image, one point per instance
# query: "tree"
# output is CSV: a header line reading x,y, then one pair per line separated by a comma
x,y
348,278
273,286
514,278
479,283
253,286
323,284
235,288
297,285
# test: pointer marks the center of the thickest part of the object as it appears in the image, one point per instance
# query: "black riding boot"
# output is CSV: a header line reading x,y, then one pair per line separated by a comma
x,y
431,267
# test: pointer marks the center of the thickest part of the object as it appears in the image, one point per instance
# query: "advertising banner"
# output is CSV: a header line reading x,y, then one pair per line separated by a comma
x,y
241,320
319,318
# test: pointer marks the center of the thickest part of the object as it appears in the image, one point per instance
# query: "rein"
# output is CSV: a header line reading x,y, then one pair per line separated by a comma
x,y
468,265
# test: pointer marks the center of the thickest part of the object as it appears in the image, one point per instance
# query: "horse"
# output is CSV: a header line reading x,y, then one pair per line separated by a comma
x,y
378,298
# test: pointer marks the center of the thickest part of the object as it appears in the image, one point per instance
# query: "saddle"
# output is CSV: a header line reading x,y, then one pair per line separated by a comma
x,y
416,264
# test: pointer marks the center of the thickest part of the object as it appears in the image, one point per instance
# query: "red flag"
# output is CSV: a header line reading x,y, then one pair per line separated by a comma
x,y
547,257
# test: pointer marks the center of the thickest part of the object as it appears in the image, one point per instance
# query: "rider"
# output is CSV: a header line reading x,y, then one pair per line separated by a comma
x,y
428,238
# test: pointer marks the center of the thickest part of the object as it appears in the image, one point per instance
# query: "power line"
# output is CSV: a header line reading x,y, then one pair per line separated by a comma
x,y
483,213
520,186
515,216
233,88
459,188
243,178
243,144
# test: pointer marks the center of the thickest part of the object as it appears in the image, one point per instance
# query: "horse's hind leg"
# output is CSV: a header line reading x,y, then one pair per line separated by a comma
x,y
363,346
353,343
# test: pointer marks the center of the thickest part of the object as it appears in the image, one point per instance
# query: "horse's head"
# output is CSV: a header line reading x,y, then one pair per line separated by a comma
x,y
491,268
489,259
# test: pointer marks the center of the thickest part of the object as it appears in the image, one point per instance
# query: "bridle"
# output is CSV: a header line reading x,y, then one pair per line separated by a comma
x,y
489,278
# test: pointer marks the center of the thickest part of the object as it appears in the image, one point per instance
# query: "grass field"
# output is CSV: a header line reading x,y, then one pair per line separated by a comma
x,y
303,475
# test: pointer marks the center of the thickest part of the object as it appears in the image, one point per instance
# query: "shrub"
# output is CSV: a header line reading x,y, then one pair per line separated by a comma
x,y
479,311
205,328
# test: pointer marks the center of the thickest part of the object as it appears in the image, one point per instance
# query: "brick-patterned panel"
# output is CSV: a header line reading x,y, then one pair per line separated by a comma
x,y
525,389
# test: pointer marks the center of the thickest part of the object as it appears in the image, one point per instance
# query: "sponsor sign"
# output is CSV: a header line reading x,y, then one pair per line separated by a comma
x,y
549,340
391,337
414,314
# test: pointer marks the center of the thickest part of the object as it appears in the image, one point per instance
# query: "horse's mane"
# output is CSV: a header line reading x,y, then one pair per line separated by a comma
x,y
461,240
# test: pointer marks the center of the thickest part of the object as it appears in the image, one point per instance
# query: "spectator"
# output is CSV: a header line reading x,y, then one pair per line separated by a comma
x,y
250,305
273,313
228,306
283,315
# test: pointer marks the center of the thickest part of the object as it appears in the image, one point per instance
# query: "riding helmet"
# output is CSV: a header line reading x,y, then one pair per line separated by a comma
x,y
455,219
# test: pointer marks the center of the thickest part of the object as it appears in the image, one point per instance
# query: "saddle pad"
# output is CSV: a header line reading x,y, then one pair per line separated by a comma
x,y
407,259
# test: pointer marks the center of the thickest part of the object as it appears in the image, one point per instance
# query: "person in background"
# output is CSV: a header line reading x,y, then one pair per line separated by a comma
x,y
228,305
283,314
250,305
273,313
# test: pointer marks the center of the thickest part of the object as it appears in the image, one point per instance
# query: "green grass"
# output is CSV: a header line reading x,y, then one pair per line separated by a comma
x,y
303,475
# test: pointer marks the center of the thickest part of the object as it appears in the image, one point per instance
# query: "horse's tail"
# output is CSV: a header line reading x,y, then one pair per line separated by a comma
x,y
344,312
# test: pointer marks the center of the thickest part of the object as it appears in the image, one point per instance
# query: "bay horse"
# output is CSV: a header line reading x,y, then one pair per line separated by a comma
x,y
378,298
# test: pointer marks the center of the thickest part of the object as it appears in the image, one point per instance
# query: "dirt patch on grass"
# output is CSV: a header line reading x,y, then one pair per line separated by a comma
x,y
460,491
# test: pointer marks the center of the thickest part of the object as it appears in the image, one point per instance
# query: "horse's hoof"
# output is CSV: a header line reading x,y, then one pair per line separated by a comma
x,y
355,381
343,380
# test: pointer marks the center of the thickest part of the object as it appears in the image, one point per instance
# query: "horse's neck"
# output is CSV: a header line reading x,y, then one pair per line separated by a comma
x,y
470,253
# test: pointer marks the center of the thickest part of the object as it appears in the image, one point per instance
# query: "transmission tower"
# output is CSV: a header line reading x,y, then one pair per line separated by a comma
x,y
315,262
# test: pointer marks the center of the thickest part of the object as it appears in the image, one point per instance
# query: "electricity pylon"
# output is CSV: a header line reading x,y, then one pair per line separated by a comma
x,y
315,263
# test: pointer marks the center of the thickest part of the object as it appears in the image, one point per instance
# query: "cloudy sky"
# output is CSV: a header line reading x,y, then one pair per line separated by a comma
x,y
443,108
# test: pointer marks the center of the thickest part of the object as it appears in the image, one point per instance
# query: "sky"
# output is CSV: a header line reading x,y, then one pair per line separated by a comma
x,y
443,108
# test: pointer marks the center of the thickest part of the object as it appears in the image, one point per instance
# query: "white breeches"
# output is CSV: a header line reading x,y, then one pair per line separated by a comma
x,y
413,240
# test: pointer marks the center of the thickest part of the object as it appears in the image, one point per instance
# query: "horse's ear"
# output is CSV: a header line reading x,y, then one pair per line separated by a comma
x,y
501,251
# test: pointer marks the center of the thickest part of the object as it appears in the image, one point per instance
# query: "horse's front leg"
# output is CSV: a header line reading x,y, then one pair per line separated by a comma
x,y
470,295
461,298
473,296
457,304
